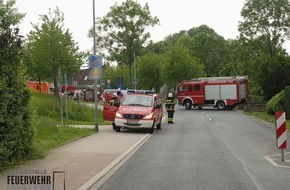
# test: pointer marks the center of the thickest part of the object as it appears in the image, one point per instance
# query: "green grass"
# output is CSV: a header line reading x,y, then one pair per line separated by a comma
x,y
48,134
267,117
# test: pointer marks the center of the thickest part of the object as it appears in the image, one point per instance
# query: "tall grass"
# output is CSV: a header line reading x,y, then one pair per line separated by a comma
x,y
48,133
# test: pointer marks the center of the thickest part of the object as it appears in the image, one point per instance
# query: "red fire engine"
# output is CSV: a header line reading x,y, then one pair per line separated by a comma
x,y
218,92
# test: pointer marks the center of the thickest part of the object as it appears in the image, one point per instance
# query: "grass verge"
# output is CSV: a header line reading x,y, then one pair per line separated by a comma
x,y
48,134
267,117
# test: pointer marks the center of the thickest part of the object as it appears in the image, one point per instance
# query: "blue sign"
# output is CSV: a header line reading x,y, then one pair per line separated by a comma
x,y
95,63
102,82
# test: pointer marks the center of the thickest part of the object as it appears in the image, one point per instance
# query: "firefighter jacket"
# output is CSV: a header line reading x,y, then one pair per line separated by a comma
x,y
170,103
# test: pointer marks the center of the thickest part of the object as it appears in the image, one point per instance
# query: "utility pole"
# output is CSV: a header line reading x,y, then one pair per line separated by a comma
x,y
95,81
135,80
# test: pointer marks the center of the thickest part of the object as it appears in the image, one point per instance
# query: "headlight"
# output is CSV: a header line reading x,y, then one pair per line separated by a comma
x,y
150,116
118,115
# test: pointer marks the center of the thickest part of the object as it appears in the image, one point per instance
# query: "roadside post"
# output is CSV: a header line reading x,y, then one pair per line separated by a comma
x,y
281,138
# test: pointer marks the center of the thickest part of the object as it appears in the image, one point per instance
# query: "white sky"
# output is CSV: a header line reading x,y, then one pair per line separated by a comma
x,y
174,16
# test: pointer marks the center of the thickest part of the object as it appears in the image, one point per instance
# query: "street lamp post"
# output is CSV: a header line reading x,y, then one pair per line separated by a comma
x,y
95,81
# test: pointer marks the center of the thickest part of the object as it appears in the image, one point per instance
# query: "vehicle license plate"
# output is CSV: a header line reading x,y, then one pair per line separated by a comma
x,y
132,122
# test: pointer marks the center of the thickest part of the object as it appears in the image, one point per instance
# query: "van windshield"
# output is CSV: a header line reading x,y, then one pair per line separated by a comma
x,y
137,100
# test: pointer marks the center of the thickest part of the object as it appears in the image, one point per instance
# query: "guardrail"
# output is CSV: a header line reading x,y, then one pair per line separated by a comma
x,y
254,107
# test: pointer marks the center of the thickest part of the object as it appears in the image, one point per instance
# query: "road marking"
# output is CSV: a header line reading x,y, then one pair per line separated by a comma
x,y
254,179
274,161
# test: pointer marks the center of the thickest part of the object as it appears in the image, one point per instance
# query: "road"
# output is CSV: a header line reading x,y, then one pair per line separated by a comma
x,y
206,150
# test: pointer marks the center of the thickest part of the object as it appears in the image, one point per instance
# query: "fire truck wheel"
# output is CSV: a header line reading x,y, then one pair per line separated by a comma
x,y
187,104
221,105
118,129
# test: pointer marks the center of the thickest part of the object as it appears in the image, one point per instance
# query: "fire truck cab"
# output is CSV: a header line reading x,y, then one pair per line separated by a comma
x,y
218,92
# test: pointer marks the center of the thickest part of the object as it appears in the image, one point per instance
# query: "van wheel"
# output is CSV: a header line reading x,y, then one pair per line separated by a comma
x,y
151,130
187,104
118,129
221,105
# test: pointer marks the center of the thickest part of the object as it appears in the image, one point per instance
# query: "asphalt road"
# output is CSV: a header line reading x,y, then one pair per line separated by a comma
x,y
205,150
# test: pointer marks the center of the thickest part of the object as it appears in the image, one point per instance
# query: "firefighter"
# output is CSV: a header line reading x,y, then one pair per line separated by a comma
x,y
114,100
169,105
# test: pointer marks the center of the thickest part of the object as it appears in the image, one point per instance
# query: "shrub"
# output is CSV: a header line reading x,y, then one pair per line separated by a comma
x,y
276,103
255,99
287,101
15,115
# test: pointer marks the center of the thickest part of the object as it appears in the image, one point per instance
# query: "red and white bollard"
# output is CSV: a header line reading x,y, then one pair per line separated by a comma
x,y
281,131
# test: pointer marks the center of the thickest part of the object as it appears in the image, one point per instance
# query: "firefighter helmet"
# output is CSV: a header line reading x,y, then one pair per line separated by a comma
x,y
169,95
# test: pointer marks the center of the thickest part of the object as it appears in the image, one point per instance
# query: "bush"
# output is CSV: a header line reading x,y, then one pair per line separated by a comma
x,y
276,103
255,99
287,101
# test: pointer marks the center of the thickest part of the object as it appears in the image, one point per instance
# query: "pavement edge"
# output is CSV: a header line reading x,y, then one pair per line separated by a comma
x,y
107,169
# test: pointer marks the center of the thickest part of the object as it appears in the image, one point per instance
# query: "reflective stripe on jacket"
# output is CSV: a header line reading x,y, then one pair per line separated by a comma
x,y
169,105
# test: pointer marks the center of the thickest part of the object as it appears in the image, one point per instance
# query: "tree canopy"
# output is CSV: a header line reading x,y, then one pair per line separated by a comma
x,y
122,32
49,48
268,21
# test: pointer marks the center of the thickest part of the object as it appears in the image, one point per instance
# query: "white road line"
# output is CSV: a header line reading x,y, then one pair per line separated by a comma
x,y
254,179
273,160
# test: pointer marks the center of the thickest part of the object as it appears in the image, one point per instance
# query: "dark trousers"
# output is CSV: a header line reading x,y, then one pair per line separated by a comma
x,y
170,116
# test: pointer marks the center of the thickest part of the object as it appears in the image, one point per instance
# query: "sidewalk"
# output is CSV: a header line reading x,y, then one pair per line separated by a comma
x,y
83,161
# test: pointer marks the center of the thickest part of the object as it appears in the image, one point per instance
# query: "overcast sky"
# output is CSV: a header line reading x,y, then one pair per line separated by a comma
x,y
221,15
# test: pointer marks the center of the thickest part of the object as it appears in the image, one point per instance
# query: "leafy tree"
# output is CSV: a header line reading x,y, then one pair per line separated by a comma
x,y
112,72
122,32
210,50
149,69
51,47
267,21
263,31
15,115
277,75
180,65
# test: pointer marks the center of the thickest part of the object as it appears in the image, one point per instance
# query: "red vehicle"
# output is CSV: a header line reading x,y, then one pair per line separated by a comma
x,y
111,104
218,92
136,110
69,88
45,87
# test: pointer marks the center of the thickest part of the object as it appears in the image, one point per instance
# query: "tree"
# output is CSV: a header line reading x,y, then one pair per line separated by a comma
x,y
122,32
273,75
180,65
149,68
112,73
50,47
15,115
263,31
210,49
268,21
